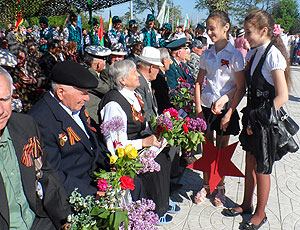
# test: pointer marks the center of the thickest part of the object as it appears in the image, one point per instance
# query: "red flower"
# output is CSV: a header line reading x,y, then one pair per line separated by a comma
x,y
185,128
102,185
166,128
127,183
181,79
117,144
173,112
159,130
187,119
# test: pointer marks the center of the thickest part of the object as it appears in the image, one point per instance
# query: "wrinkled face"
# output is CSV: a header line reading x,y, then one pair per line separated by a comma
x,y
181,54
72,97
132,81
166,62
215,30
199,50
98,64
154,72
253,35
5,102
116,58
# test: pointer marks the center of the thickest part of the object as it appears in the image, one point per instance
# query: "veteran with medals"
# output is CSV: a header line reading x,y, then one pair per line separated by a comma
x,y
73,145
31,195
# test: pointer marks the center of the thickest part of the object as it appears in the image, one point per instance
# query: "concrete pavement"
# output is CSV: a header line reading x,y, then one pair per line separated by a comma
x,y
283,209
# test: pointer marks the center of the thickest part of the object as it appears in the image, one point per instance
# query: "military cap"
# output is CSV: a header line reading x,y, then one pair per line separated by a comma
x,y
177,44
44,19
150,17
202,39
132,22
197,43
95,21
98,51
7,58
116,19
167,26
118,49
134,40
74,74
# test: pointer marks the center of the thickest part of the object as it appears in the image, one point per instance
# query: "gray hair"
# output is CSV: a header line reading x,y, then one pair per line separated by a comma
x,y
164,53
120,69
4,73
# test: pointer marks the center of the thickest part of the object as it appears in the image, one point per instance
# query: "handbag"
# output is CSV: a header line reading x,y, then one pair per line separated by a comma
x,y
290,125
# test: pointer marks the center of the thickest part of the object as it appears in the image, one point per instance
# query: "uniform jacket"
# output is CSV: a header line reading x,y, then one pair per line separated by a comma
x,y
174,73
150,103
74,163
52,211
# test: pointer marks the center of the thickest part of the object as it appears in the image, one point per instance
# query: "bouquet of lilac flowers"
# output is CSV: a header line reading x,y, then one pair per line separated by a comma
x,y
141,215
187,133
182,97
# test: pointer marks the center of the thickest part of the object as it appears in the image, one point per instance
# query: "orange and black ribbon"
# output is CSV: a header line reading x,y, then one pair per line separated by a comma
x,y
72,136
88,121
32,149
225,62
140,100
137,116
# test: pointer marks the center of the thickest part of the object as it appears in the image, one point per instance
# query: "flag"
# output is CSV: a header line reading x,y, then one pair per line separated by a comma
x,y
161,15
167,16
80,26
19,14
186,23
110,21
100,32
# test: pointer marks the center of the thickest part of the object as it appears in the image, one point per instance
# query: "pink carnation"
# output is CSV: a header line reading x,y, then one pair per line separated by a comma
x,y
102,185
173,112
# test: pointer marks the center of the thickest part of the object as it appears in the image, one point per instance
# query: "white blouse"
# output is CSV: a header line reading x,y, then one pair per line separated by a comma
x,y
274,60
220,77
112,109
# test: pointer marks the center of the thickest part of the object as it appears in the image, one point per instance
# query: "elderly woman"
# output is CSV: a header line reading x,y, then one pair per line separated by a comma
x,y
124,102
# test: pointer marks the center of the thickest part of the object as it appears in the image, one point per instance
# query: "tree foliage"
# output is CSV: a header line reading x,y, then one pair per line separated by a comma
x,y
212,5
285,13
154,6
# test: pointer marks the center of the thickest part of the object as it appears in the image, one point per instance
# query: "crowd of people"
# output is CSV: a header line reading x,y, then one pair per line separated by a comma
x,y
69,85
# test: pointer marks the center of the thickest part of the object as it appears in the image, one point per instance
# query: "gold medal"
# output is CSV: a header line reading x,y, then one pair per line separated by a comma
x,y
61,142
62,139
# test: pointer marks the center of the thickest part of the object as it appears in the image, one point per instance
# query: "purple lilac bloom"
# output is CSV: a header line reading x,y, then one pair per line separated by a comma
x,y
117,124
166,121
185,85
141,215
197,124
148,162
105,128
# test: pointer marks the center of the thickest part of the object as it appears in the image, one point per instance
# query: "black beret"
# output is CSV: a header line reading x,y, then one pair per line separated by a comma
x,y
74,74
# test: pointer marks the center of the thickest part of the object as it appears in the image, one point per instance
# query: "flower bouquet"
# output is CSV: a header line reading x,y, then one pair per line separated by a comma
x,y
182,97
113,209
186,133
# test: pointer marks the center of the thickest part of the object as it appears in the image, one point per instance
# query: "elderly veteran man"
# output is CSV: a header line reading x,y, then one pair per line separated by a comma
x,y
95,60
73,146
178,52
31,195
148,68
136,46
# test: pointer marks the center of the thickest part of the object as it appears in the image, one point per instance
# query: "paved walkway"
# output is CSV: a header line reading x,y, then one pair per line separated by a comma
x,y
283,209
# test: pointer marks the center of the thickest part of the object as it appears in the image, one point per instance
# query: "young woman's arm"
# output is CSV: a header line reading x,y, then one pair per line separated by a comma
x,y
198,85
281,88
239,94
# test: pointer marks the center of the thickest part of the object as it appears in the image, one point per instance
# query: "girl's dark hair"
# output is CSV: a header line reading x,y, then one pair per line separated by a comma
x,y
222,16
260,19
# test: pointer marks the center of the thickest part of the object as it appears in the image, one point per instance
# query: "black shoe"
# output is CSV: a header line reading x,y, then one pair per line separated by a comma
x,y
249,226
232,212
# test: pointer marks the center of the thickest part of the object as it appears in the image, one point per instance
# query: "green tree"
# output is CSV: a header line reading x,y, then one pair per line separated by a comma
x,y
212,5
285,13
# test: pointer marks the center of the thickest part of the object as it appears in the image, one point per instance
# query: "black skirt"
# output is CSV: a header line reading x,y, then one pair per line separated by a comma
x,y
213,122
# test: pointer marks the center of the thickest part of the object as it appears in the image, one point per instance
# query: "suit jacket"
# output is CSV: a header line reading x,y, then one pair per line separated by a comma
x,y
74,163
174,72
150,104
52,211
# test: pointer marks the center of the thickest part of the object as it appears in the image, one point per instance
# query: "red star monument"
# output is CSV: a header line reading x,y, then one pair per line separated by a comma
x,y
217,163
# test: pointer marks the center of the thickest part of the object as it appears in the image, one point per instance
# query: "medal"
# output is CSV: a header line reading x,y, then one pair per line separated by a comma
x,y
62,139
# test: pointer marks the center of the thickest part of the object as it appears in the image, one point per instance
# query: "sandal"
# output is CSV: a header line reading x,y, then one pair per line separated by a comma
x,y
220,198
173,208
165,219
201,195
